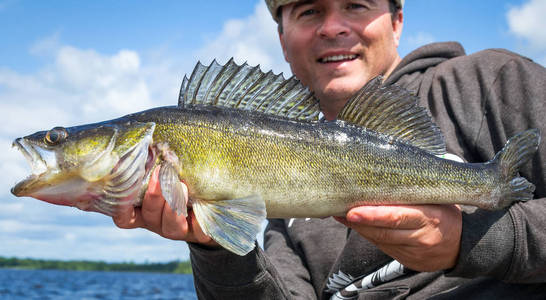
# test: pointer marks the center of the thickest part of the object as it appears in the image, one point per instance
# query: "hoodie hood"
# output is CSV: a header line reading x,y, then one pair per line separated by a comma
x,y
425,57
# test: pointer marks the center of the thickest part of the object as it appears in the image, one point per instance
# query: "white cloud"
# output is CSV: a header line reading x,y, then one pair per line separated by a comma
x,y
527,22
100,242
47,46
79,87
106,83
252,39
12,208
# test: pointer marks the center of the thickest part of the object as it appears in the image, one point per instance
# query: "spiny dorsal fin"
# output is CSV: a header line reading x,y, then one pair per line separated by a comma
x,y
246,87
393,111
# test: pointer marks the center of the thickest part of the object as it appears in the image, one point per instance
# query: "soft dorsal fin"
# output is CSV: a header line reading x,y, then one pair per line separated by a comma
x,y
393,111
245,87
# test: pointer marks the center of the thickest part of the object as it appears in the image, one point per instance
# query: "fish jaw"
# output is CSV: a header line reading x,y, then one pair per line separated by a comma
x,y
70,192
42,169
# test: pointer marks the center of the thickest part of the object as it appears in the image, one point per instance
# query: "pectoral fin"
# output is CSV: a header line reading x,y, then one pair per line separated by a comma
x,y
172,189
233,224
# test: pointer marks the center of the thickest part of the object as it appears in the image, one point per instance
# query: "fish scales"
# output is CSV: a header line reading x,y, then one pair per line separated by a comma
x,y
249,145
310,169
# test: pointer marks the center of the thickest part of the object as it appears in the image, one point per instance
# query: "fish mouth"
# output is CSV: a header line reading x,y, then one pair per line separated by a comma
x,y
35,160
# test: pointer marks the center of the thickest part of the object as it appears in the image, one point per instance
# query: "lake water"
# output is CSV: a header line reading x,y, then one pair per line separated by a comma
x,y
56,284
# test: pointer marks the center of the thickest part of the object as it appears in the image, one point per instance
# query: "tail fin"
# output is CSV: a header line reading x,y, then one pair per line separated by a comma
x,y
517,151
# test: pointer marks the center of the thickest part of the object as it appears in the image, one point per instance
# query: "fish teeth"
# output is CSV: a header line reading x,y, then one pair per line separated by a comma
x,y
37,163
338,58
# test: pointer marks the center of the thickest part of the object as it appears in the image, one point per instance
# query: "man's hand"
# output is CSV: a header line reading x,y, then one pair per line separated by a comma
x,y
156,215
422,237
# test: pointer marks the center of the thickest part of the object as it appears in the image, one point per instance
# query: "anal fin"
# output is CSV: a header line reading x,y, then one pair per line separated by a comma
x,y
233,224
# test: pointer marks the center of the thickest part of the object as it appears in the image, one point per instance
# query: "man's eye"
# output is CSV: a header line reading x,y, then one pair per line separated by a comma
x,y
356,6
308,12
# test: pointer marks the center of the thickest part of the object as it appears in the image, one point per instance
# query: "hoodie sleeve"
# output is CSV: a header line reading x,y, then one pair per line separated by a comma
x,y
480,101
220,274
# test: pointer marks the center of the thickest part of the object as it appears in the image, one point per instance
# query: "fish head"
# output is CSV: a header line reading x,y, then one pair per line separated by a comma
x,y
84,166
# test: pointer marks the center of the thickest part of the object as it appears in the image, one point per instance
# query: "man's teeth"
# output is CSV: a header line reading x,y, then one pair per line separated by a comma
x,y
337,58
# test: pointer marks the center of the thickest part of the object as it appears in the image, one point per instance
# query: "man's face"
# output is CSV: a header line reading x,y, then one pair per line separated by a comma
x,y
336,46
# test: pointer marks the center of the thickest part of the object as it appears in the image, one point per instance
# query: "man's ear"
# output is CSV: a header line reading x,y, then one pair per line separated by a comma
x,y
283,46
397,25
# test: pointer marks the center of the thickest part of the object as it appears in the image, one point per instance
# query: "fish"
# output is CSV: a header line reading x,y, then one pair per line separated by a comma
x,y
251,145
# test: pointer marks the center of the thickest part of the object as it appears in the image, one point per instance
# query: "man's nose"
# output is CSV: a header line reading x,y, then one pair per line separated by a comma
x,y
333,25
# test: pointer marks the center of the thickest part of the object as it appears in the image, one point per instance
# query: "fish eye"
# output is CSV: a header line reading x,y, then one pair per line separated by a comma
x,y
55,136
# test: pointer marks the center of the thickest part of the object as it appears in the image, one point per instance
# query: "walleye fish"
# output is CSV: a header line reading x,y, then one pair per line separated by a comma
x,y
250,144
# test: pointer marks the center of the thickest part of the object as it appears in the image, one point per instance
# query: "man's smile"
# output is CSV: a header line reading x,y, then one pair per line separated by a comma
x,y
337,58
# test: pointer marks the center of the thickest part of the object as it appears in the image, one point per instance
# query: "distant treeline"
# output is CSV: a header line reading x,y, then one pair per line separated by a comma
x,y
182,267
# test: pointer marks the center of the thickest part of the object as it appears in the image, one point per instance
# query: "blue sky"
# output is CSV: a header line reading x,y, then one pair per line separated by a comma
x,y
72,62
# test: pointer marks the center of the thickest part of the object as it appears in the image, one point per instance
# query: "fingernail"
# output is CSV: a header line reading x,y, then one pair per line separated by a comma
x,y
354,217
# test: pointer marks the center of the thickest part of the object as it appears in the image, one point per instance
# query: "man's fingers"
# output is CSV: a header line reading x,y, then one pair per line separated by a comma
x,y
381,235
416,226
173,226
130,218
156,215
394,217
152,205
198,234
421,237
401,237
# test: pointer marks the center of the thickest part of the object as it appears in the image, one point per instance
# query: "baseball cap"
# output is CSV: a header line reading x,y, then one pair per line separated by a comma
x,y
274,5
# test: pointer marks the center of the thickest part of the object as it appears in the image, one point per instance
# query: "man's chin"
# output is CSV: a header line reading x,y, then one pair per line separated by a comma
x,y
341,89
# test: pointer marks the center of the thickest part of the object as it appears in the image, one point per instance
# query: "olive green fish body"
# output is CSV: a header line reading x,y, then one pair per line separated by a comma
x,y
305,169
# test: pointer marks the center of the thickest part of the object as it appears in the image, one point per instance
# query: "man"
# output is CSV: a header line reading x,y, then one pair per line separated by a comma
x,y
479,101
